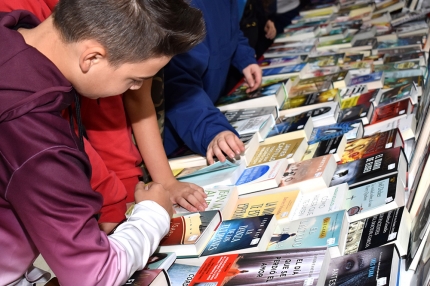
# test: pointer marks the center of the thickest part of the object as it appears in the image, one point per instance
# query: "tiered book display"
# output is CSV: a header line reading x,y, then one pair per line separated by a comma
x,y
334,185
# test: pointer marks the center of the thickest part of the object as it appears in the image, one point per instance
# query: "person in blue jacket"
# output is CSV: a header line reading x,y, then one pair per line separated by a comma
x,y
196,79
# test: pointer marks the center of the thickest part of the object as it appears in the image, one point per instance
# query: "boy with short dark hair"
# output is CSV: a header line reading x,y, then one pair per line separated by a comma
x,y
101,48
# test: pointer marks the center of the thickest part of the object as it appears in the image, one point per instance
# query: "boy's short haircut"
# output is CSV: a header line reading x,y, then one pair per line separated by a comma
x,y
131,30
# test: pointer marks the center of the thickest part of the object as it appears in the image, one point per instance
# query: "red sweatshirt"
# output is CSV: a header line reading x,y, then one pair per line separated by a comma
x,y
114,158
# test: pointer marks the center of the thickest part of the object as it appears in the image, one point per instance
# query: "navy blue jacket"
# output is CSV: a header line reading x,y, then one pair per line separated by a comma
x,y
195,80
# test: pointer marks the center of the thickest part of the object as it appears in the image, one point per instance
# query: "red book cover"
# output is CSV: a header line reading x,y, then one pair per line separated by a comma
x,y
371,145
391,110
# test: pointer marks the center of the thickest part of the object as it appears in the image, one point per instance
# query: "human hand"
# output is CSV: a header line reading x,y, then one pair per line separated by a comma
x,y
187,195
270,29
153,192
253,76
226,142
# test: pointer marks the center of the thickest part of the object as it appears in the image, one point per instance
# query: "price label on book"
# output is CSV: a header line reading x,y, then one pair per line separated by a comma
x,y
392,236
331,241
308,282
381,281
255,241
388,200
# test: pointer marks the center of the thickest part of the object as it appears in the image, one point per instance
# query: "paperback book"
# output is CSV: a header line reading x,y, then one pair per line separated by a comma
x,y
351,129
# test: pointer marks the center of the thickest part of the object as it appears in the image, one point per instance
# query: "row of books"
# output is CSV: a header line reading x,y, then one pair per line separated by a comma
x,y
333,187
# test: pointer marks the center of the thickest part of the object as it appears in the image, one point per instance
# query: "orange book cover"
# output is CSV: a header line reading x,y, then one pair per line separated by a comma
x,y
304,170
391,110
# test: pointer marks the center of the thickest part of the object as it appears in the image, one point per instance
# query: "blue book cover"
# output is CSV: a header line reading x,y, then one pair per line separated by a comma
x,y
181,274
350,128
367,78
286,69
317,231
242,234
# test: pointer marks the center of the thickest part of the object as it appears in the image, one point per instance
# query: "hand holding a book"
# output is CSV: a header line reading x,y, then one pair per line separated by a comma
x,y
189,196
252,74
225,143
154,192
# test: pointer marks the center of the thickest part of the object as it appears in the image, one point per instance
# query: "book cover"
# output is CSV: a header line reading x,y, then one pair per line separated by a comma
x,y
275,151
281,61
310,99
335,146
160,260
288,51
368,167
351,101
361,112
371,145
321,114
247,113
396,94
358,65
244,234
374,231
148,277
291,69
351,130
393,82
192,230
290,124
319,202
391,110
278,204
368,79
316,231
403,56
297,267
335,44
181,274
366,197
328,60
199,170
306,172
372,267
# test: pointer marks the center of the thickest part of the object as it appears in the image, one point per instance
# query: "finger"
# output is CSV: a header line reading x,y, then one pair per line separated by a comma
x,y
199,189
226,149
249,77
200,199
257,77
210,155
218,153
187,205
234,143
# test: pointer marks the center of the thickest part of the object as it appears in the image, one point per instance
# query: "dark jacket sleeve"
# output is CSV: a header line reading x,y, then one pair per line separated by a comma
x,y
189,110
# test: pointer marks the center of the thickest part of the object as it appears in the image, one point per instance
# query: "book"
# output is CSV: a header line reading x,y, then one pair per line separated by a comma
x,y
393,82
294,34
160,260
361,45
372,166
371,145
278,62
400,56
242,235
327,60
292,150
419,232
182,173
190,233
333,34
373,81
148,277
278,203
372,96
351,129
182,274
286,267
373,197
322,114
362,112
319,202
271,93
335,44
247,113
291,70
288,51
222,198
323,230
372,267
407,90
261,125
406,124
261,177
309,175
385,112
301,101
334,146
300,124
378,230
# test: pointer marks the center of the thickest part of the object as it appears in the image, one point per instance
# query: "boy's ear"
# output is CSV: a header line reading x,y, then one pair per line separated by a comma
x,y
90,56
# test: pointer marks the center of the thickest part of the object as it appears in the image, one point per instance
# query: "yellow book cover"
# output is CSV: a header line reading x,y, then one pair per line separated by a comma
x,y
275,151
279,204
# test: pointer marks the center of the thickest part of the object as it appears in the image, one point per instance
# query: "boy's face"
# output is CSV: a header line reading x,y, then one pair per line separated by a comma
x,y
104,80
